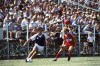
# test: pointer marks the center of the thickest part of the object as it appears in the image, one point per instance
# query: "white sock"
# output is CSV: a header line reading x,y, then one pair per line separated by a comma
x,y
29,58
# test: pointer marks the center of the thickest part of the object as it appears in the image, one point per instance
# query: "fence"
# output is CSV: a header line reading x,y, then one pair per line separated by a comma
x,y
12,47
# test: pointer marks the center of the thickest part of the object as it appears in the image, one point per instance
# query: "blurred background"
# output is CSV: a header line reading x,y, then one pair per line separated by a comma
x,y
19,20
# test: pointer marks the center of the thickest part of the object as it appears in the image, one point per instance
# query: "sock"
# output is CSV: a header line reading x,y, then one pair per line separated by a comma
x,y
29,58
69,54
58,54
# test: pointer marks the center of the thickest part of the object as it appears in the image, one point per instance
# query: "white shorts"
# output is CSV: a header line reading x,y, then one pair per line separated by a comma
x,y
40,48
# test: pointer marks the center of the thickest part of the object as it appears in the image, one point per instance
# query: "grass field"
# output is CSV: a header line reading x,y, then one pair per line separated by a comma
x,y
75,61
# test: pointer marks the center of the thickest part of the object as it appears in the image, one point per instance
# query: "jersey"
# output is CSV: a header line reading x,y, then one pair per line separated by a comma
x,y
69,40
40,40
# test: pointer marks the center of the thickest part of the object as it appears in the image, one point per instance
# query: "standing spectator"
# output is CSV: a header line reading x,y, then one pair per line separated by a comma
x,y
88,28
11,29
5,21
90,41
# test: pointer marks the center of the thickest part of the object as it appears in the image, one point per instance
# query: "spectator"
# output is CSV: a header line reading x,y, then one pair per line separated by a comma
x,y
88,28
90,40
33,23
24,23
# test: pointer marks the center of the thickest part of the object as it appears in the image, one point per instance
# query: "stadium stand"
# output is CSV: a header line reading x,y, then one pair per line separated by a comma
x,y
19,20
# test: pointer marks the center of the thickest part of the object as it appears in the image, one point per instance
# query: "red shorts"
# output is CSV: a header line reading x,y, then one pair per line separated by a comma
x,y
68,45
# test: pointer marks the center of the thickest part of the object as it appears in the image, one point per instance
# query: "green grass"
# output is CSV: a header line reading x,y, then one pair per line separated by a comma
x,y
75,61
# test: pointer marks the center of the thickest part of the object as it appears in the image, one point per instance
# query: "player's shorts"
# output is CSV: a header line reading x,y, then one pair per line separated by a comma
x,y
68,45
40,48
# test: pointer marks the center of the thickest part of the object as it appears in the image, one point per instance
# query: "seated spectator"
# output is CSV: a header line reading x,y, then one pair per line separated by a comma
x,y
24,23
33,23
88,28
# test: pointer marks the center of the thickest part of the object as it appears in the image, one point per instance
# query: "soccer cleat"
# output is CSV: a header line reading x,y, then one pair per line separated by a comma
x,y
69,58
26,60
30,60
55,60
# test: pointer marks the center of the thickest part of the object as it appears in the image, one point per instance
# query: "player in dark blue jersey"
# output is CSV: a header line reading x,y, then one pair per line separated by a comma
x,y
40,41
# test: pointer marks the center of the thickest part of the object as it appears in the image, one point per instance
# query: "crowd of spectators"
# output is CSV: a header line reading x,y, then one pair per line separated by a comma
x,y
52,17
47,14
90,3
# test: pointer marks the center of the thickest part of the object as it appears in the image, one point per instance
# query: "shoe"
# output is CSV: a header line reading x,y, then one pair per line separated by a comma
x,y
26,60
69,58
55,60
30,60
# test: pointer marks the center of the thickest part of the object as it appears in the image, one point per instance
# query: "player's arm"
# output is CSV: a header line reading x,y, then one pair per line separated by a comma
x,y
30,39
63,44
27,42
62,36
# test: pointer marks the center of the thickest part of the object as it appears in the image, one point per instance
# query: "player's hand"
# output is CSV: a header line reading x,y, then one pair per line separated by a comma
x,y
60,46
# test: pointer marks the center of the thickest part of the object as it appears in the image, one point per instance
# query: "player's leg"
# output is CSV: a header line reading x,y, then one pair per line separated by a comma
x,y
58,54
70,48
37,50
35,53
31,53
33,50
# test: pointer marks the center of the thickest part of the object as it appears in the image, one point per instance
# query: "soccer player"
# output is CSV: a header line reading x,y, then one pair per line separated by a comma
x,y
40,43
68,43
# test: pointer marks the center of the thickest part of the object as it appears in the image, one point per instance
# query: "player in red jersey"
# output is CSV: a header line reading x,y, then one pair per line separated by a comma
x,y
68,43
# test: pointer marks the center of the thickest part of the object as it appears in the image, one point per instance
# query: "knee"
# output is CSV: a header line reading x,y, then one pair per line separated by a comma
x,y
70,50
62,47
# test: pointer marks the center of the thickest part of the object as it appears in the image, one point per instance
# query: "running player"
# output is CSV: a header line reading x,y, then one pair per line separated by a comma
x,y
40,43
68,43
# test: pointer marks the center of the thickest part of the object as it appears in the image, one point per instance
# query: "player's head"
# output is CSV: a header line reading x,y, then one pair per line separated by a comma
x,y
66,31
67,22
39,29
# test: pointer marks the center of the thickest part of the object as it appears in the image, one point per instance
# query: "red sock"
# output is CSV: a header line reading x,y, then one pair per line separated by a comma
x,y
58,54
69,54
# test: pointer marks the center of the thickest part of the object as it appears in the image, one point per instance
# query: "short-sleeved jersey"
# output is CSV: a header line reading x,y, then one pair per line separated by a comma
x,y
69,40
40,40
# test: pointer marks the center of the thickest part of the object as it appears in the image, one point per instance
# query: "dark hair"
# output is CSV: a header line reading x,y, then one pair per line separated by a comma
x,y
39,28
